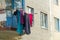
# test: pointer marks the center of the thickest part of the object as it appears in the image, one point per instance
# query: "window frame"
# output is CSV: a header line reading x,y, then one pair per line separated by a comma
x,y
44,23
32,9
57,24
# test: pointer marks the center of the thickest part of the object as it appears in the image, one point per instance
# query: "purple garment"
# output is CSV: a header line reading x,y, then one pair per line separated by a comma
x,y
22,17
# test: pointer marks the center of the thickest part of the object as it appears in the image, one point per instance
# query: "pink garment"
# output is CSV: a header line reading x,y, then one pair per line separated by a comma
x,y
31,19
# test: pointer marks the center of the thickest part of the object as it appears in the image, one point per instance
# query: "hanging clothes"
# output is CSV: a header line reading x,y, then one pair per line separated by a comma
x,y
30,18
9,19
27,24
14,21
22,16
19,25
9,22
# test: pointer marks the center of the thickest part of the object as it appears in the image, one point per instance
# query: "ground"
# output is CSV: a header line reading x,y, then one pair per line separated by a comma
x,y
8,35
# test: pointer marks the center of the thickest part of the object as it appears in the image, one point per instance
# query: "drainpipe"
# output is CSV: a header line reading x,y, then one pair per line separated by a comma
x,y
51,18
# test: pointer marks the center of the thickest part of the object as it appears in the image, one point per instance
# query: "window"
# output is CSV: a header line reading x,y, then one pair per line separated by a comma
x,y
31,11
8,4
56,2
17,4
57,24
43,20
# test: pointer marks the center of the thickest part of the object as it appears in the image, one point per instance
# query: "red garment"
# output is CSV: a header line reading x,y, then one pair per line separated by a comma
x,y
31,19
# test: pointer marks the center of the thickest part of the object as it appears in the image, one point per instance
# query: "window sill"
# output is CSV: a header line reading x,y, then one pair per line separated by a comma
x,y
46,28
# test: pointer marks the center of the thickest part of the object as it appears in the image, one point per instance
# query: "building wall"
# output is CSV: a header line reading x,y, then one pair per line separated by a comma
x,y
2,4
55,9
2,13
37,32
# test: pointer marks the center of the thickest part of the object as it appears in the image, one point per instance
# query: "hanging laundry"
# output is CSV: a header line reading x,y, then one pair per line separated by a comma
x,y
9,22
9,19
14,21
22,16
27,24
19,25
30,18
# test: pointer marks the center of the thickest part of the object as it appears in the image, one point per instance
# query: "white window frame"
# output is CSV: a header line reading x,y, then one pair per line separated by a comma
x,y
43,20
57,24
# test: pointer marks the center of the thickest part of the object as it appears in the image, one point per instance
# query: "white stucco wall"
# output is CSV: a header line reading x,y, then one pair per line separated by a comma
x,y
55,9
3,17
2,6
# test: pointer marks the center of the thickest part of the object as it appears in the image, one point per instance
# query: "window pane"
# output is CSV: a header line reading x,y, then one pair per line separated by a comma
x,y
29,10
56,2
46,20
